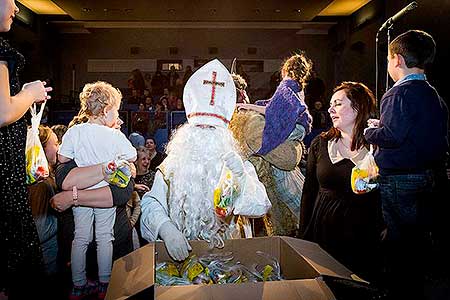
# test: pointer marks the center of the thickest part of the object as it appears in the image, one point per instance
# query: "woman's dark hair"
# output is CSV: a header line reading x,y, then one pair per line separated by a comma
x,y
363,102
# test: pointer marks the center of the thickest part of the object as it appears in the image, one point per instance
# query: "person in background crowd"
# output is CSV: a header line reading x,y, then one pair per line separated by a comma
x,y
149,104
156,158
157,84
133,213
187,74
315,99
179,106
21,263
137,136
148,80
137,82
172,78
40,194
143,181
59,130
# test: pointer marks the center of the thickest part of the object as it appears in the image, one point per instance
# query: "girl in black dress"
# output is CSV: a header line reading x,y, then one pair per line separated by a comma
x,y
345,224
20,255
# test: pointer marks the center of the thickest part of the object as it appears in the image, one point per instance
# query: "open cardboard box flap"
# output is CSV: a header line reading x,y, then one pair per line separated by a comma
x,y
301,263
132,273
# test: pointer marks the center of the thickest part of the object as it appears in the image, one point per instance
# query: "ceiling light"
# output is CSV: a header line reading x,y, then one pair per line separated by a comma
x,y
43,7
277,10
343,7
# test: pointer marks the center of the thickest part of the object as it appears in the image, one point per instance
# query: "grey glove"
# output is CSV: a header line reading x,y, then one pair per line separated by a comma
x,y
176,243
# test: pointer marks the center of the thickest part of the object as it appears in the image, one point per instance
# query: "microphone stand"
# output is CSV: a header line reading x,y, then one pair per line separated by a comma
x,y
388,30
391,25
388,25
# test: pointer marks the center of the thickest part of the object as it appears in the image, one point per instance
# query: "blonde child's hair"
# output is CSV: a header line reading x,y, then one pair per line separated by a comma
x,y
298,67
94,98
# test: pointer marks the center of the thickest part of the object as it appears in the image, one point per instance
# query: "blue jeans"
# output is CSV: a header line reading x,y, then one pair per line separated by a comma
x,y
406,202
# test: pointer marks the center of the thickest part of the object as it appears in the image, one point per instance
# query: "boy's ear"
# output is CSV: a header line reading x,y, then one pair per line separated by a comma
x,y
399,60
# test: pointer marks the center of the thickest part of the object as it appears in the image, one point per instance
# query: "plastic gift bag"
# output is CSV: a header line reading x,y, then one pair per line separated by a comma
x,y
224,194
118,172
36,161
365,174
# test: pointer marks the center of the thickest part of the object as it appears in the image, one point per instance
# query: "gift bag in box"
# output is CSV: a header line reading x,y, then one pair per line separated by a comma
x,y
36,161
365,174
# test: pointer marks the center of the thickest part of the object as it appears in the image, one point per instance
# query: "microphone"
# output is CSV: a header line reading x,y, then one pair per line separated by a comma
x,y
398,15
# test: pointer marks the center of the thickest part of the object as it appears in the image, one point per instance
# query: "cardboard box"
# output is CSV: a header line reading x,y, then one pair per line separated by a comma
x,y
301,263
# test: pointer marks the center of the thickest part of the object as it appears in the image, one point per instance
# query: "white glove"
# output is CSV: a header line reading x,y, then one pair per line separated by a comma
x,y
176,243
234,162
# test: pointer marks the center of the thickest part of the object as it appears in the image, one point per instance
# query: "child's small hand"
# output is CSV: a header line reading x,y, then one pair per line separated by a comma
x,y
141,187
373,123
257,108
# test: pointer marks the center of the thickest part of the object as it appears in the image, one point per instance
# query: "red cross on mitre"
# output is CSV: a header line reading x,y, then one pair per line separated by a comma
x,y
214,83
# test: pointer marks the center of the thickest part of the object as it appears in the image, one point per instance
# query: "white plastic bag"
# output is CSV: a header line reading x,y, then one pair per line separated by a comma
x,y
224,194
37,165
289,185
365,174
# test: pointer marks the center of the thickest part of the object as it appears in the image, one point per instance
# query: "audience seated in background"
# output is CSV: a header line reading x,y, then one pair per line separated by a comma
x,y
59,130
143,182
172,78
155,156
158,83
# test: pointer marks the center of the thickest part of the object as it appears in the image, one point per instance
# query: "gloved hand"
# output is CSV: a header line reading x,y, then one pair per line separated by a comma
x,y
176,243
117,172
234,162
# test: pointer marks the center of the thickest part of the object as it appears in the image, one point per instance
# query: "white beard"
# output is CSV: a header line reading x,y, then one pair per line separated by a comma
x,y
193,167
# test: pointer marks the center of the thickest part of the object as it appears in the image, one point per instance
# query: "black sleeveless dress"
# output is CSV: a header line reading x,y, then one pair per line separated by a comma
x,y
20,254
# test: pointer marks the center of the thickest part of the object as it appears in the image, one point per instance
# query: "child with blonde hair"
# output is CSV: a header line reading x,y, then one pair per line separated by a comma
x,y
90,140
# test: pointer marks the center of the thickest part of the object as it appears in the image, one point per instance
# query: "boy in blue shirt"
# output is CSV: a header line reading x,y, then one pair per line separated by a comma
x,y
412,141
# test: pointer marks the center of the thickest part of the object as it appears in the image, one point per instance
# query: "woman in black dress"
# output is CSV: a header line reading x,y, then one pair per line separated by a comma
x,y
20,255
345,224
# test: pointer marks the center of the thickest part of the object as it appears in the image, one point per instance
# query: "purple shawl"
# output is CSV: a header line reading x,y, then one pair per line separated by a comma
x,y
283,111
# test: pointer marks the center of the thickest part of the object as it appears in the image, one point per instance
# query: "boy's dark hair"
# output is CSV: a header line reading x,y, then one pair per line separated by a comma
x,y
416,46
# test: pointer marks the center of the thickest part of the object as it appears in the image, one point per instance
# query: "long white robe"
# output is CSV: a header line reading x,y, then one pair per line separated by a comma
x,y
251,202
